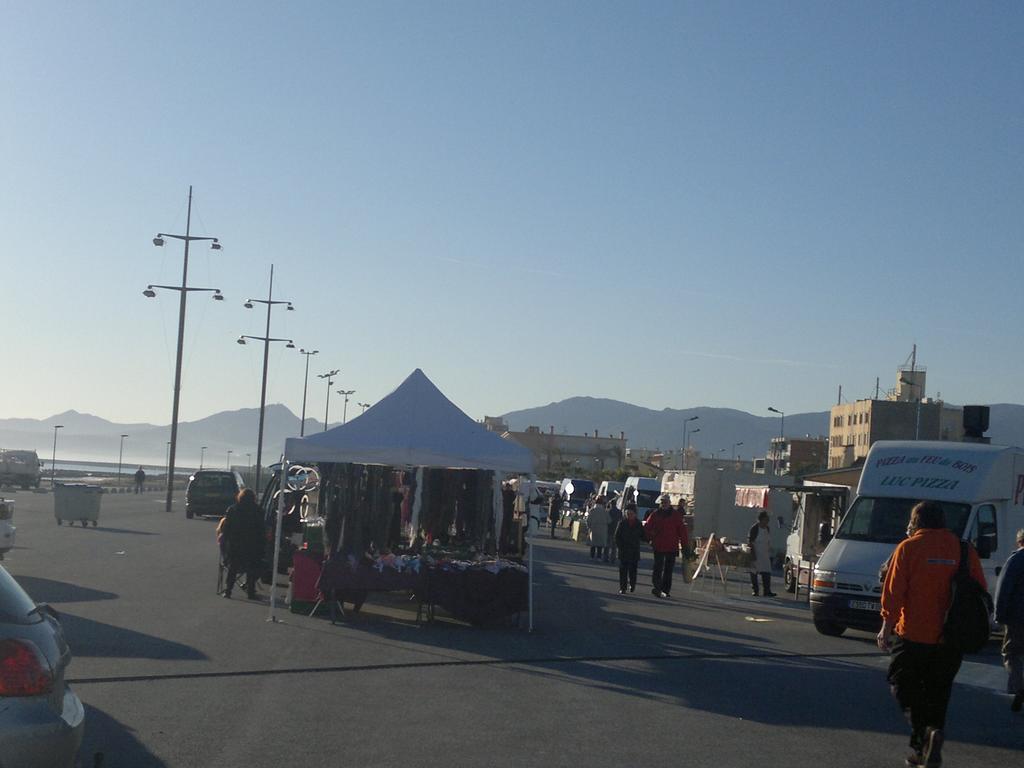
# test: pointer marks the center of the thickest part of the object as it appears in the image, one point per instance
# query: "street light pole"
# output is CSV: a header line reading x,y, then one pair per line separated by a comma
x,y
229,465
364,406
202,456
344,410
734,447
183,291
53,461
270,302
782,436
305,384
167,463
120,455
327,408
686,425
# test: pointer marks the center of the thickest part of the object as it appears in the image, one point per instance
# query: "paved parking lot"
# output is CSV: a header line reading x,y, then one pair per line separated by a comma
x,y
173,675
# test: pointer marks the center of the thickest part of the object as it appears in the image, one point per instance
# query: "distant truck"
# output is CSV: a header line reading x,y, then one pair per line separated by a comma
x,y
980,488
20,468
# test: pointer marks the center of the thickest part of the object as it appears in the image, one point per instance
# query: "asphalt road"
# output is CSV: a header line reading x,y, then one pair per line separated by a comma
x,y
173,675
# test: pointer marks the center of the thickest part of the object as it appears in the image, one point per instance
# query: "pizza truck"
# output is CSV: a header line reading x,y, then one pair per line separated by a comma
x,y
979,486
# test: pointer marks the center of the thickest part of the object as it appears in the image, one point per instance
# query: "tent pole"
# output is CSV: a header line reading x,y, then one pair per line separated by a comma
x,y
282,487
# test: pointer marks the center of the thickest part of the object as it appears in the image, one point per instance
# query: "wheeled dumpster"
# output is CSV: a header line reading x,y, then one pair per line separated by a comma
x,y
77,502
7,528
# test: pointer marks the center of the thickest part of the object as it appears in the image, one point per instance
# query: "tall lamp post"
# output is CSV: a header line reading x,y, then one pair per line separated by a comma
x,y
183,291
167,463
202,456
229,464
270,303
364,406
686,426
120,455
53,461
344,410
305,384
782,435
734,447
330,382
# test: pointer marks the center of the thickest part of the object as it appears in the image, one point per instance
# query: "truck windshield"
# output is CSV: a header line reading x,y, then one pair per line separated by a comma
x,y
647,498
885,520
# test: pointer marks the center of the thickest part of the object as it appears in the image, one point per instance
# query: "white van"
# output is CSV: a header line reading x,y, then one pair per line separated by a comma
x,y
980,487
644,492
610,490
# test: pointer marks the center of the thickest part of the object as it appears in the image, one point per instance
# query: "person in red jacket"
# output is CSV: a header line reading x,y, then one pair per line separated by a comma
x,y
915,597
666,530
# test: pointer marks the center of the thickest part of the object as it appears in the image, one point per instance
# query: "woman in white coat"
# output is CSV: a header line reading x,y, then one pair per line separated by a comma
x,y
597,522
760,541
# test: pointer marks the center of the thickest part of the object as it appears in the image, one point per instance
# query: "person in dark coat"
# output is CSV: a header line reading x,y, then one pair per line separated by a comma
x,y
628,535
614,518
554,511
243,541
1010,613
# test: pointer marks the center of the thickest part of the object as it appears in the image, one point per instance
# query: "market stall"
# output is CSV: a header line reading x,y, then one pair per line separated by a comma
x,y
410,499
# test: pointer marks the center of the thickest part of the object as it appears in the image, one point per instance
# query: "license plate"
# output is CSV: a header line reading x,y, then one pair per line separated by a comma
x,y
865,605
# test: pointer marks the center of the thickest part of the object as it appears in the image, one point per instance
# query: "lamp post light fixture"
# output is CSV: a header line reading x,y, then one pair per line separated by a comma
x,y
270,303
782,434
53,460
330,382
344,410
734,447
183,290
686,425
364,406
305,384
120,455
202,456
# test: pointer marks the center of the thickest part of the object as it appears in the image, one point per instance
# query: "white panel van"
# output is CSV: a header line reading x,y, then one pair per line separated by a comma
x,y
980,487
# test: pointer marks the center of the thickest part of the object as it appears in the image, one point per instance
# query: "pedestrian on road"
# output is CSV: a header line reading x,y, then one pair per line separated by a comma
x,y
1010,613
666,531
628,535
760,541
554,511
597,523
614,517
915,597
140,479
244,541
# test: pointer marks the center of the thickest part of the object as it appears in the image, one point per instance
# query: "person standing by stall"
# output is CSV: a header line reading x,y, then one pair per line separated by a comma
x,y
554,511
614,517
628,535
597,523
665,529
760,541
243,533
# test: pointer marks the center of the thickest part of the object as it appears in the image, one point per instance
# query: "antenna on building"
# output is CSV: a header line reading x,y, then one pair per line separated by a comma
x,y
876,387
840,400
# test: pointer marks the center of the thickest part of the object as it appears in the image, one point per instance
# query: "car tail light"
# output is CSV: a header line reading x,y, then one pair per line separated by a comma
x,y
23,670
824,583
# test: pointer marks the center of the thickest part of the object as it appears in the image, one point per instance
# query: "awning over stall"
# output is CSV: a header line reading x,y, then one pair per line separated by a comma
x,y
414,426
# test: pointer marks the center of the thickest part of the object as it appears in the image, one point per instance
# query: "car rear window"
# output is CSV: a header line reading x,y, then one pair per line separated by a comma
x,y
15,606
219,482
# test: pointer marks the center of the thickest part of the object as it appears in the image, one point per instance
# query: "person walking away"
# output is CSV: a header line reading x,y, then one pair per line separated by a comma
x,y
597,524
140,479
665,529
915,597
628,535
760,541
243,539
1010,613
554,511
687,555
614,517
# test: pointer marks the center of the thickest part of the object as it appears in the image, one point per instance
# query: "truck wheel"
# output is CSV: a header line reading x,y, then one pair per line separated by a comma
x,y
188,514
829,628
789,578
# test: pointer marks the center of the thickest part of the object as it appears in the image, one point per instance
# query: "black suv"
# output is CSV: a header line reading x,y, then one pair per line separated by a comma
x,y
211,492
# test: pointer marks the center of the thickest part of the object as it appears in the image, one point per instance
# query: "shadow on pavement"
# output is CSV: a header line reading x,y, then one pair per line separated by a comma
x,y
105,529
49,591
116,741
94,638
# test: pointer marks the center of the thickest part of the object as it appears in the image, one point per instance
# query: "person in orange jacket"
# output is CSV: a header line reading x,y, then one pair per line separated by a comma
x,y
915,597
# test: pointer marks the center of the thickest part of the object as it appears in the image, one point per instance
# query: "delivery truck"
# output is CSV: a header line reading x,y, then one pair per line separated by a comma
x,y
979,486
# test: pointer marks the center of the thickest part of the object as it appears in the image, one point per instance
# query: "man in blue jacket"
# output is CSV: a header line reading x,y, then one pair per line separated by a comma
x,y
1010,613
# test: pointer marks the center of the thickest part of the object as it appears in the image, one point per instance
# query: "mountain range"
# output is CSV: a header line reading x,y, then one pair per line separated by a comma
x,y
86,437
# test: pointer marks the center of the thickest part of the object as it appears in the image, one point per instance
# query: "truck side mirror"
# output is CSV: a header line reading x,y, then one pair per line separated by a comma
x,y
984,547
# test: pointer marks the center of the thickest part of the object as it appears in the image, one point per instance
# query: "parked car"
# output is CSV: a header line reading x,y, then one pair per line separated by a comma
x,y
211,491
41,718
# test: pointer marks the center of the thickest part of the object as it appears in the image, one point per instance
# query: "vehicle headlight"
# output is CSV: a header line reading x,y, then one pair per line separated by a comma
x,y
824,579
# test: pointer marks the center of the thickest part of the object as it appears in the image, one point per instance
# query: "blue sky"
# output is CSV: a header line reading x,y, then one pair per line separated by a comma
x,y
672,204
